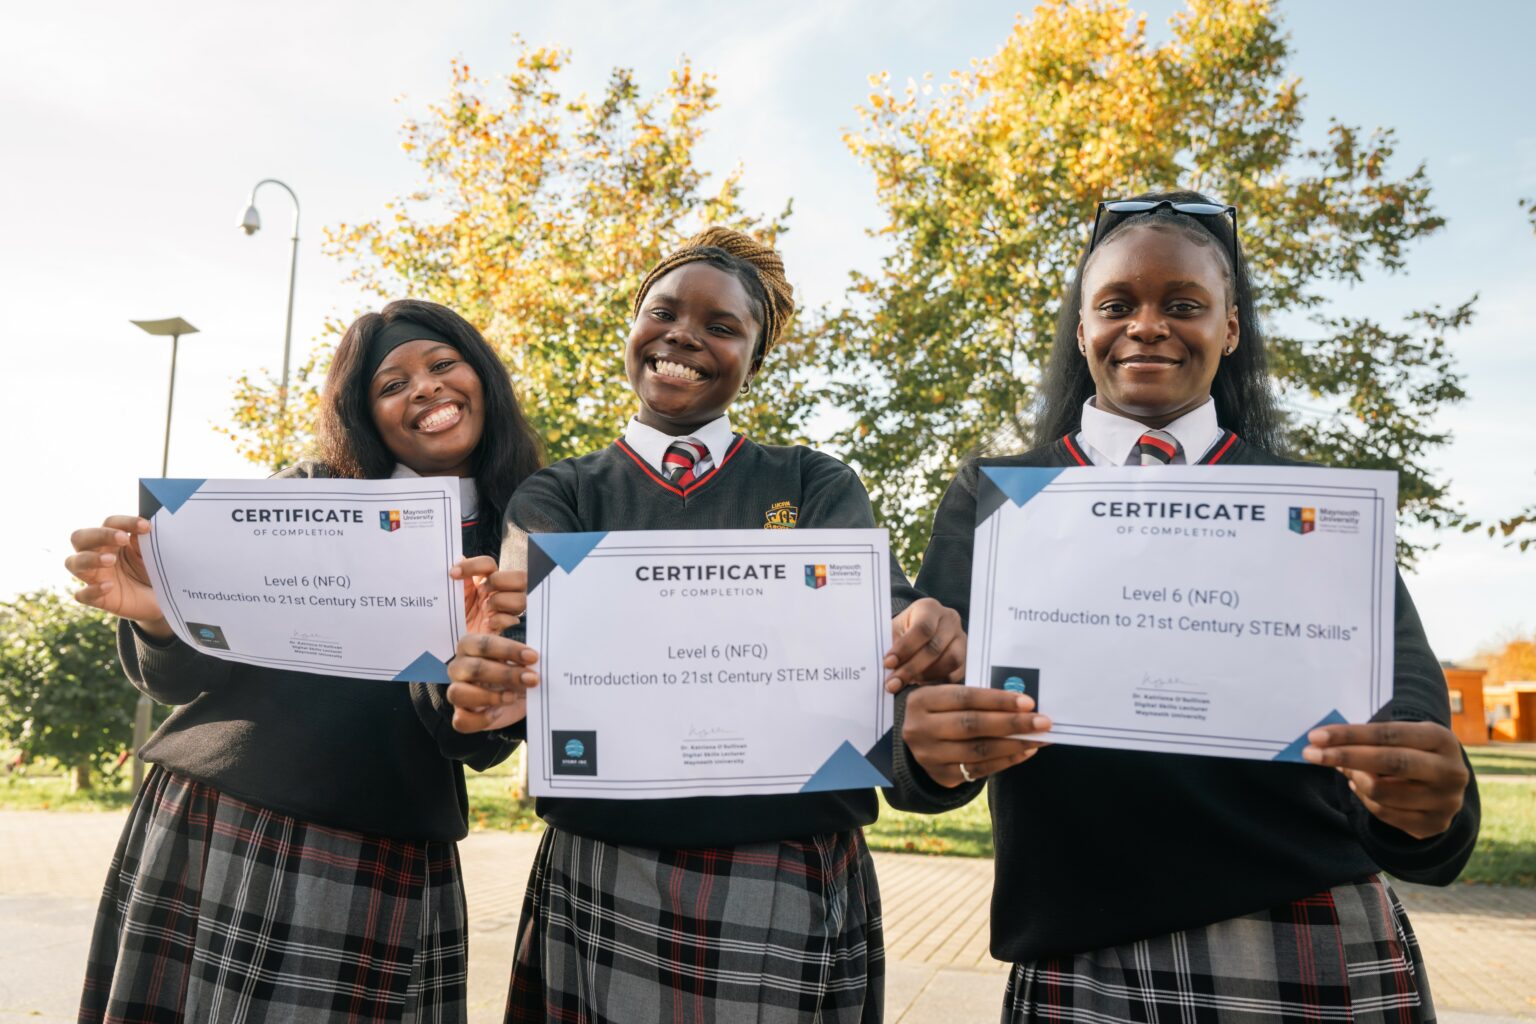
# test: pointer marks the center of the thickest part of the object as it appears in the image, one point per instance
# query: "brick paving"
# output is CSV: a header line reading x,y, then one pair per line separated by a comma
x,y
1480,941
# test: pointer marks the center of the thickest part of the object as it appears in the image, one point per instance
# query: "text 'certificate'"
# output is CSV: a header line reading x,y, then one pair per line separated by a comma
x,y
1189,609
336,577
707,663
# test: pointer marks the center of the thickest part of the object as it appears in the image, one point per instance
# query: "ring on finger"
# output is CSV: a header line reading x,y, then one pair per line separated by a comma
x,y
965,773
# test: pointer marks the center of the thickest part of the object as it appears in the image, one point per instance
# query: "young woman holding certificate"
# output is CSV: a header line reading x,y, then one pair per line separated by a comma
x,y
1137,886
291,854
759,908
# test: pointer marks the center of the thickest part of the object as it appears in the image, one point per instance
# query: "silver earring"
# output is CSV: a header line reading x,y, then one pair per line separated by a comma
x,y
746,386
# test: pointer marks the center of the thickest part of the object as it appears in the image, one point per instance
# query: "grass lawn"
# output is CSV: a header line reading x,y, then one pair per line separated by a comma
x,y
1505,855
39,792
1503,759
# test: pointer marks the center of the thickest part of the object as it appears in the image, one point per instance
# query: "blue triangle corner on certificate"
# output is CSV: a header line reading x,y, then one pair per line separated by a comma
x,y
1293,751
427,668
845,769
170,494
1020,483
567,549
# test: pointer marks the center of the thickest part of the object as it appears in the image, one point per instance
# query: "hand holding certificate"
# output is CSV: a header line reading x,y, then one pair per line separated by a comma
x,y
1190,610
677,663
336,577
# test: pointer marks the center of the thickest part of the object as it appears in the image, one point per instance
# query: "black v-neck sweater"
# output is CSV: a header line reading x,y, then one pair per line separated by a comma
x,y
376,757
1095,848
754,487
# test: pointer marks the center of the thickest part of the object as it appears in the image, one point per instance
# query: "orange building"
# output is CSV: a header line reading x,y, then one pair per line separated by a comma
x,y
1469,720
1512,711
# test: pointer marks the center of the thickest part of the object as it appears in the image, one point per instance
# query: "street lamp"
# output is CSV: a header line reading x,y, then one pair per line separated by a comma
x,y
250,223
175,327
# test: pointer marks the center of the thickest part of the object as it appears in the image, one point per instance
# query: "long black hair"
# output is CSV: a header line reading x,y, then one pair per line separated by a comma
x,y
508,451
1245,400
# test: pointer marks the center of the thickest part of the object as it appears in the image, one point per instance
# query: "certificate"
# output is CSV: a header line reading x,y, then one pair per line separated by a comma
x,y
708,663
336,577
1191,609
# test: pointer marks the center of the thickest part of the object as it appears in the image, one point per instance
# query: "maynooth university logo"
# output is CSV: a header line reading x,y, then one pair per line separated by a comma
x,y
389,520
816,576
1303,520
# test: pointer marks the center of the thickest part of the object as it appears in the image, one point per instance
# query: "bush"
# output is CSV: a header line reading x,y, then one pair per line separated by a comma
x,y
62,693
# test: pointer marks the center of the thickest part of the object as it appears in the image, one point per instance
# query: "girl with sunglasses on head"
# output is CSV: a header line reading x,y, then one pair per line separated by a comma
x,y
291,855
760,908
1135,886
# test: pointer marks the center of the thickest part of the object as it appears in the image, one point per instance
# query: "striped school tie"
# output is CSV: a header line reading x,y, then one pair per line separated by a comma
x,y
686,460
1157,448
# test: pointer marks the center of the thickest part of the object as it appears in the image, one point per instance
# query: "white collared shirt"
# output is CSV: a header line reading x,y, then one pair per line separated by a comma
x,y
651,444
1109,439
469,494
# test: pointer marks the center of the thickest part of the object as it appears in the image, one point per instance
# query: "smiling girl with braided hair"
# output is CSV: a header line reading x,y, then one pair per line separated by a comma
x,y
765,907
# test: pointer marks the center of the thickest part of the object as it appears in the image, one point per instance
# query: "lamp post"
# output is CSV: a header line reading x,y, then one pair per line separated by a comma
x,y
250,223
175,327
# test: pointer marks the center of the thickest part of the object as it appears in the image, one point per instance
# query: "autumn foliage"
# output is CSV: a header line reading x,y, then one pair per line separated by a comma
x,y
536,217
989,178
537,214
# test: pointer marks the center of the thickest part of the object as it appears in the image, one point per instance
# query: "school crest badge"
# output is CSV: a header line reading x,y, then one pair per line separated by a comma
x,y
781,516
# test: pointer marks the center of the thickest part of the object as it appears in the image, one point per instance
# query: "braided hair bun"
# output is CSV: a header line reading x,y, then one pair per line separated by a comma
x,y
757,266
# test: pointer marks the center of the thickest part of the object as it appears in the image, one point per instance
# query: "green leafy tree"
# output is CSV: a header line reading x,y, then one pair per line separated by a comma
x,y
62,692
536,216
988,178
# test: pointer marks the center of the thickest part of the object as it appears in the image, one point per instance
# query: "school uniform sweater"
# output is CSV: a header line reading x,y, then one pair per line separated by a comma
x,y
752,487
1096,848
376,757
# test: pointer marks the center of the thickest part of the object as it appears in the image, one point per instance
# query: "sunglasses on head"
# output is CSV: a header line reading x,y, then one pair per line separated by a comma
x,y
1126,207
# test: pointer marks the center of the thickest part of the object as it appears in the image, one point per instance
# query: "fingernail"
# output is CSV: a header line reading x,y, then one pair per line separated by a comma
x,y
1311,754
120,537
1042,723
1024,703
108,559
1318,736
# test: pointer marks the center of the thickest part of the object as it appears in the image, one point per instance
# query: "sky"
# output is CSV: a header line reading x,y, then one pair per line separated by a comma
x,y
134,134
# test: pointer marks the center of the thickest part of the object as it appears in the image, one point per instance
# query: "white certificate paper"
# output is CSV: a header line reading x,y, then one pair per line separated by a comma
x,y
1189,609
335,577
708,663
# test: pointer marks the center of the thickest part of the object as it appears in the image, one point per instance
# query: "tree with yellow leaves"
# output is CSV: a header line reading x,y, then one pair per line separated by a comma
x,y
989,179
536,217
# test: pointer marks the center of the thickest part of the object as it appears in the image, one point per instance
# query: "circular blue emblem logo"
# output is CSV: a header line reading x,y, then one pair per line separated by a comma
x,y
574,748
1013,684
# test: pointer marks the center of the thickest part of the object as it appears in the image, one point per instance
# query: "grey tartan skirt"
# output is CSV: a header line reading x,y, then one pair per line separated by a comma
x,y
1347,955
218,910
766,932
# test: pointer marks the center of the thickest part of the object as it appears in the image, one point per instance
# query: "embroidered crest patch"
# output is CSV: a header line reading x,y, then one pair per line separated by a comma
x,y
781,516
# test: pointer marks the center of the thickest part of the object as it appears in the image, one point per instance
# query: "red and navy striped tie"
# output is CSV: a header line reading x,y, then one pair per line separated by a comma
x,y
682,463
1157,448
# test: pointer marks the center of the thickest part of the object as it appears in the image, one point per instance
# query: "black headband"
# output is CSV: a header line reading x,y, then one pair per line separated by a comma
x,y
395,334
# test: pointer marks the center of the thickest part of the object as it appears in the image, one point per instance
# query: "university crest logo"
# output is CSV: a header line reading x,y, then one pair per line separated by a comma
x,y
781,516
1303,520
815,576
389,520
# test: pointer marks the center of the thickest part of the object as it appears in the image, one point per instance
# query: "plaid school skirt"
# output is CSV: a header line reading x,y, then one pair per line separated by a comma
x,y
1347,954
766,932
217,910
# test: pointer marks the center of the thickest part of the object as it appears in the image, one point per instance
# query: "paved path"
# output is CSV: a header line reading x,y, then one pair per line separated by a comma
x,y
1480,941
